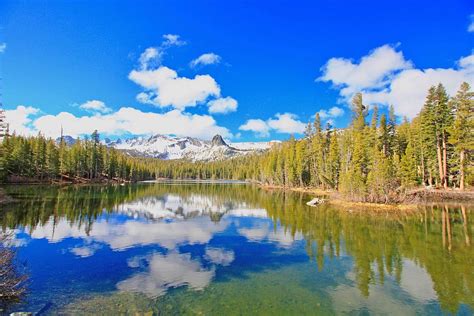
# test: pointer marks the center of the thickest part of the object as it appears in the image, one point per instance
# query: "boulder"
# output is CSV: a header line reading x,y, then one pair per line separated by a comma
x,y
316,201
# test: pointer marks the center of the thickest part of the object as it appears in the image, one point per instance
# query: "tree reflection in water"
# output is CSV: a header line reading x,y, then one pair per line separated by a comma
x,y
436,238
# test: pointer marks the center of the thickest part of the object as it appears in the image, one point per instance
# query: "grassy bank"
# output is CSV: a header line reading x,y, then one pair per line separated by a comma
x,y
412,198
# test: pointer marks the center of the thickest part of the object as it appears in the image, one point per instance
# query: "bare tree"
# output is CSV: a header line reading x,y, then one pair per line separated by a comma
x,y
12,283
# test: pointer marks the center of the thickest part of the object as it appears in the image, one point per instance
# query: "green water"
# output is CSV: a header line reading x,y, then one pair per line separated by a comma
x,y
234,249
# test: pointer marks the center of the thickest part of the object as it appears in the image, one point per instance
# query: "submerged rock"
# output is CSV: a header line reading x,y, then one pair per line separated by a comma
x,y
316,202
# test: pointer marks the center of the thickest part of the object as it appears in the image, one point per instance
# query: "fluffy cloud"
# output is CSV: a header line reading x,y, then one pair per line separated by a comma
x,y
407,92
95,106
286,123
256,125
331,113
125,120
222,105
3,47
373,71
206,59
20,119
164,88
385,77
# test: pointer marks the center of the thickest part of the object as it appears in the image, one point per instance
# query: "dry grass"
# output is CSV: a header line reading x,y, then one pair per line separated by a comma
x,y
409,203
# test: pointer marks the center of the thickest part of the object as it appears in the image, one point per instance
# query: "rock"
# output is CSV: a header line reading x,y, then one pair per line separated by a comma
x,y
316,202
217,140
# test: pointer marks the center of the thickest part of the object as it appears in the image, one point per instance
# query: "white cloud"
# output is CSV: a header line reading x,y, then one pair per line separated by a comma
x,y
331,113
164,88
95,106
467,63
222,105
3,47
373,71
256,125
286,123
173,40
125,120
385,77
470,28
206,59
151,57
20,119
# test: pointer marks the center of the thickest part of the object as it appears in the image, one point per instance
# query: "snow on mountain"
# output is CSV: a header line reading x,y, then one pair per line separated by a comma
x,y
172,147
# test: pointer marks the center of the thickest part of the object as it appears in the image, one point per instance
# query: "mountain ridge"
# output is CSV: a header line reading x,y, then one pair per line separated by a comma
x,y
168,147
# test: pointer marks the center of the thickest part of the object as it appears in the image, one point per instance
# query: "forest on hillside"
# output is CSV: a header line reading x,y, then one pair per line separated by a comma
x,y
373,159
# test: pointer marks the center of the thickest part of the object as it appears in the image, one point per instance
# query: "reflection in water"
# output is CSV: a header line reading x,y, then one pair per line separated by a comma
x,y
161,236
167,271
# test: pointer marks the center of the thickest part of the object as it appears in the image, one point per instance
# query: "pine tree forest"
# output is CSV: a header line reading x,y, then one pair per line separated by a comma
x,y
374,159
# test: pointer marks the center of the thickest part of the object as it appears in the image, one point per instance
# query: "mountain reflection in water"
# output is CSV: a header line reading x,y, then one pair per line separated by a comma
x,y
174,243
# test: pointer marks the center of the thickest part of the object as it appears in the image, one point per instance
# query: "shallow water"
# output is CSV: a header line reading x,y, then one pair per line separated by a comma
x,y
231,248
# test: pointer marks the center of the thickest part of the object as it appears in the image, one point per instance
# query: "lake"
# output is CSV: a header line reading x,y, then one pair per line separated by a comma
x,y
232,249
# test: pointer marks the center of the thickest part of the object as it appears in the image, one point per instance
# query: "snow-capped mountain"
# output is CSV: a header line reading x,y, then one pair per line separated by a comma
x,y
171,147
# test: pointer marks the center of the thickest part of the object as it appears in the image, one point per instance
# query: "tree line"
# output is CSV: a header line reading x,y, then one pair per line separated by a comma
x,y
39,158
374,159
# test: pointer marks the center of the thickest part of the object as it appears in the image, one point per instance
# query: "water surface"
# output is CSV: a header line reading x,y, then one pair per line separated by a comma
x,y
231,248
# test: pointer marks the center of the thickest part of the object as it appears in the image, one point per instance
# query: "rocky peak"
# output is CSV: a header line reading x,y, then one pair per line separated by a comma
x,y
218,141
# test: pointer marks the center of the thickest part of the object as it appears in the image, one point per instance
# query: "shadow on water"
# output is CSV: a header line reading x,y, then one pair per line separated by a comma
x,y
437,238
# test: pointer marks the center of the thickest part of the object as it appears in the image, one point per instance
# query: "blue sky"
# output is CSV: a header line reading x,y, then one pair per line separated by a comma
x,y
270,66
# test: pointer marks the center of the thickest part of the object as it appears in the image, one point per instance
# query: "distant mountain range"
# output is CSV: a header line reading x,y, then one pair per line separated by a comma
x,y
171,147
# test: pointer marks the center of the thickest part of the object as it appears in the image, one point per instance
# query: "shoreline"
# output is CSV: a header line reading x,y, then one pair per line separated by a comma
x,y
421,197
4,198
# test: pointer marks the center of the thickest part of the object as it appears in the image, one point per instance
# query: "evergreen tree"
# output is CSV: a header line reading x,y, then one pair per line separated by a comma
x,y
462,130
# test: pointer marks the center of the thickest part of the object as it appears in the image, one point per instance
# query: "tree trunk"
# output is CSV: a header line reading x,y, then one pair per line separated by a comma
x,y
461,170
423,168
448,225
440,162
464,224
445,163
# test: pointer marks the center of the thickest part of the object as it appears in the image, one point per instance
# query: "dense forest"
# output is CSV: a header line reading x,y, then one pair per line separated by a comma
x,y
31,159
374,159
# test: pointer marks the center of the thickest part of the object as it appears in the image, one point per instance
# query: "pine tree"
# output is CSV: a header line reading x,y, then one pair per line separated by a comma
x,y
442,120
462,130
